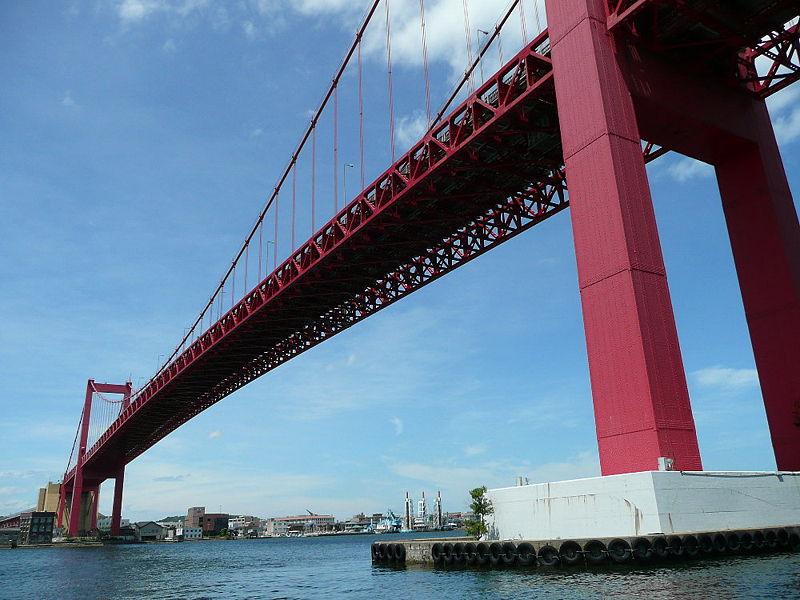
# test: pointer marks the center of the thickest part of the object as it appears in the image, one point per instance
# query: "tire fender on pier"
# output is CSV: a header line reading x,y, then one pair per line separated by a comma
x,y
661,548
642,550
526,555
400,553
448,555
691,547
495,550
509,554
482,553
595,552
548,556
619,551
570,553
437,554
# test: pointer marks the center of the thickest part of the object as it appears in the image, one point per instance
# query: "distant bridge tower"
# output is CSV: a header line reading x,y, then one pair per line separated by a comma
x,y
80,489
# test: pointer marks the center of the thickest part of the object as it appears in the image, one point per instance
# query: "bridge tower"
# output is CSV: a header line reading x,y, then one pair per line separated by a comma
x,y
612,92
80,489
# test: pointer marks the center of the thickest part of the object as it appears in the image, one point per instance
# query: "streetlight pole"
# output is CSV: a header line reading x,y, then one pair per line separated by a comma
x,y
478,39
344,178
274,253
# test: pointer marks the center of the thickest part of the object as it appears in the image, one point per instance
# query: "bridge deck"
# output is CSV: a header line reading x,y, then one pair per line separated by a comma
x,y
492,169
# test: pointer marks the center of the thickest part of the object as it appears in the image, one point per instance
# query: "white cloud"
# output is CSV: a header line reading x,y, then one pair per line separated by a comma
x,y
215,434
445,30
411,128
67,100
475,450
152,489
454,481
785,99
787,127
725,378
169,46
688,168
133,11
250,30
785,110
398,425
326,388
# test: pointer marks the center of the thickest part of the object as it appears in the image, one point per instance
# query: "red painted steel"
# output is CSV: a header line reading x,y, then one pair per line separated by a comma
x,y
491,169
81,480
781,50
722,125
116,510
766,249
10,522
641,401
719,35
77,482
494,158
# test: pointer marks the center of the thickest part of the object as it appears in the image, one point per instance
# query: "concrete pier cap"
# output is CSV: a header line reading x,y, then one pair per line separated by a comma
x,y
649,502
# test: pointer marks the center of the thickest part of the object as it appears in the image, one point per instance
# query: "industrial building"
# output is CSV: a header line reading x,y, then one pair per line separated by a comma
x,y
210,523
36,527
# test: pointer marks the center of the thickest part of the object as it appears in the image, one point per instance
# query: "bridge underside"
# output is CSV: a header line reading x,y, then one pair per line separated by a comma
x,y
496,167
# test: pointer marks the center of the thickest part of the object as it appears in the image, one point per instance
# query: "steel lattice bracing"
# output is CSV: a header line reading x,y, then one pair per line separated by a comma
x,y
492,169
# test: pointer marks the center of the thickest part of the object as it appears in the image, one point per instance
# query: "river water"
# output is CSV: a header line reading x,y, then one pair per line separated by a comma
x,y
340,567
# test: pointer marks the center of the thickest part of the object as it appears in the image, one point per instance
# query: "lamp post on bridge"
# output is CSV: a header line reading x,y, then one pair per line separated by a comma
x,y
344,178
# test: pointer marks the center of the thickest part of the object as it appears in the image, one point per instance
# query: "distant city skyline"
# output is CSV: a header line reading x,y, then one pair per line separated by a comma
x,y
140,139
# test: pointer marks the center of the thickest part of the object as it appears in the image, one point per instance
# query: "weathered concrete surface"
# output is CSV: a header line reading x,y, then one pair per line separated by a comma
x,y
650,502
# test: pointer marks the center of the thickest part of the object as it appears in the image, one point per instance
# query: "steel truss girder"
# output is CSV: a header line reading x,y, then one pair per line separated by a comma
x,y
503,222
381,211
782,50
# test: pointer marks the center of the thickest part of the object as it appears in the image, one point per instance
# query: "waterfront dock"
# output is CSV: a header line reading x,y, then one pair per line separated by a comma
x,y
468,552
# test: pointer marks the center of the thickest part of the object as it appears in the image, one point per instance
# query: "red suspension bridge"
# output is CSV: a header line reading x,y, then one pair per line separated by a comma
x,y
574,104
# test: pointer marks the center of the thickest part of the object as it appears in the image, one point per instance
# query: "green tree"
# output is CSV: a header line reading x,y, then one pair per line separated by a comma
x,y
480,506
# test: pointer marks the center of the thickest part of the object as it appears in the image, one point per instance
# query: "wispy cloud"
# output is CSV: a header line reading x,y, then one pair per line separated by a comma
x,y
455,480
398,425
68,101
726,378
171,478
249,489
250,30
133,11
215,434
410,128
257,132
475,450
686,169
785,110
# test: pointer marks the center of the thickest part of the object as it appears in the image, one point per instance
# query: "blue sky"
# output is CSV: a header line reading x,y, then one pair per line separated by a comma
x,y
140,138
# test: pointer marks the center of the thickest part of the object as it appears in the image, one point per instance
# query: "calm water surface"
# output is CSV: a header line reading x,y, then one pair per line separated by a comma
x,y
340,568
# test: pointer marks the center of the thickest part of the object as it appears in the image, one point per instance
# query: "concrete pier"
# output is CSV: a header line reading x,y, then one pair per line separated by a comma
x,y
650,502
644,549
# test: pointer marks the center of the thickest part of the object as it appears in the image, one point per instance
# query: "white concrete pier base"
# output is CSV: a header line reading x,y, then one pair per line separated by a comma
x,y
644,503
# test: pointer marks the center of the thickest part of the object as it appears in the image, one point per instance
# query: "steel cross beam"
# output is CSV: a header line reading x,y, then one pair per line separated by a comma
x,y
782,50
718,33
